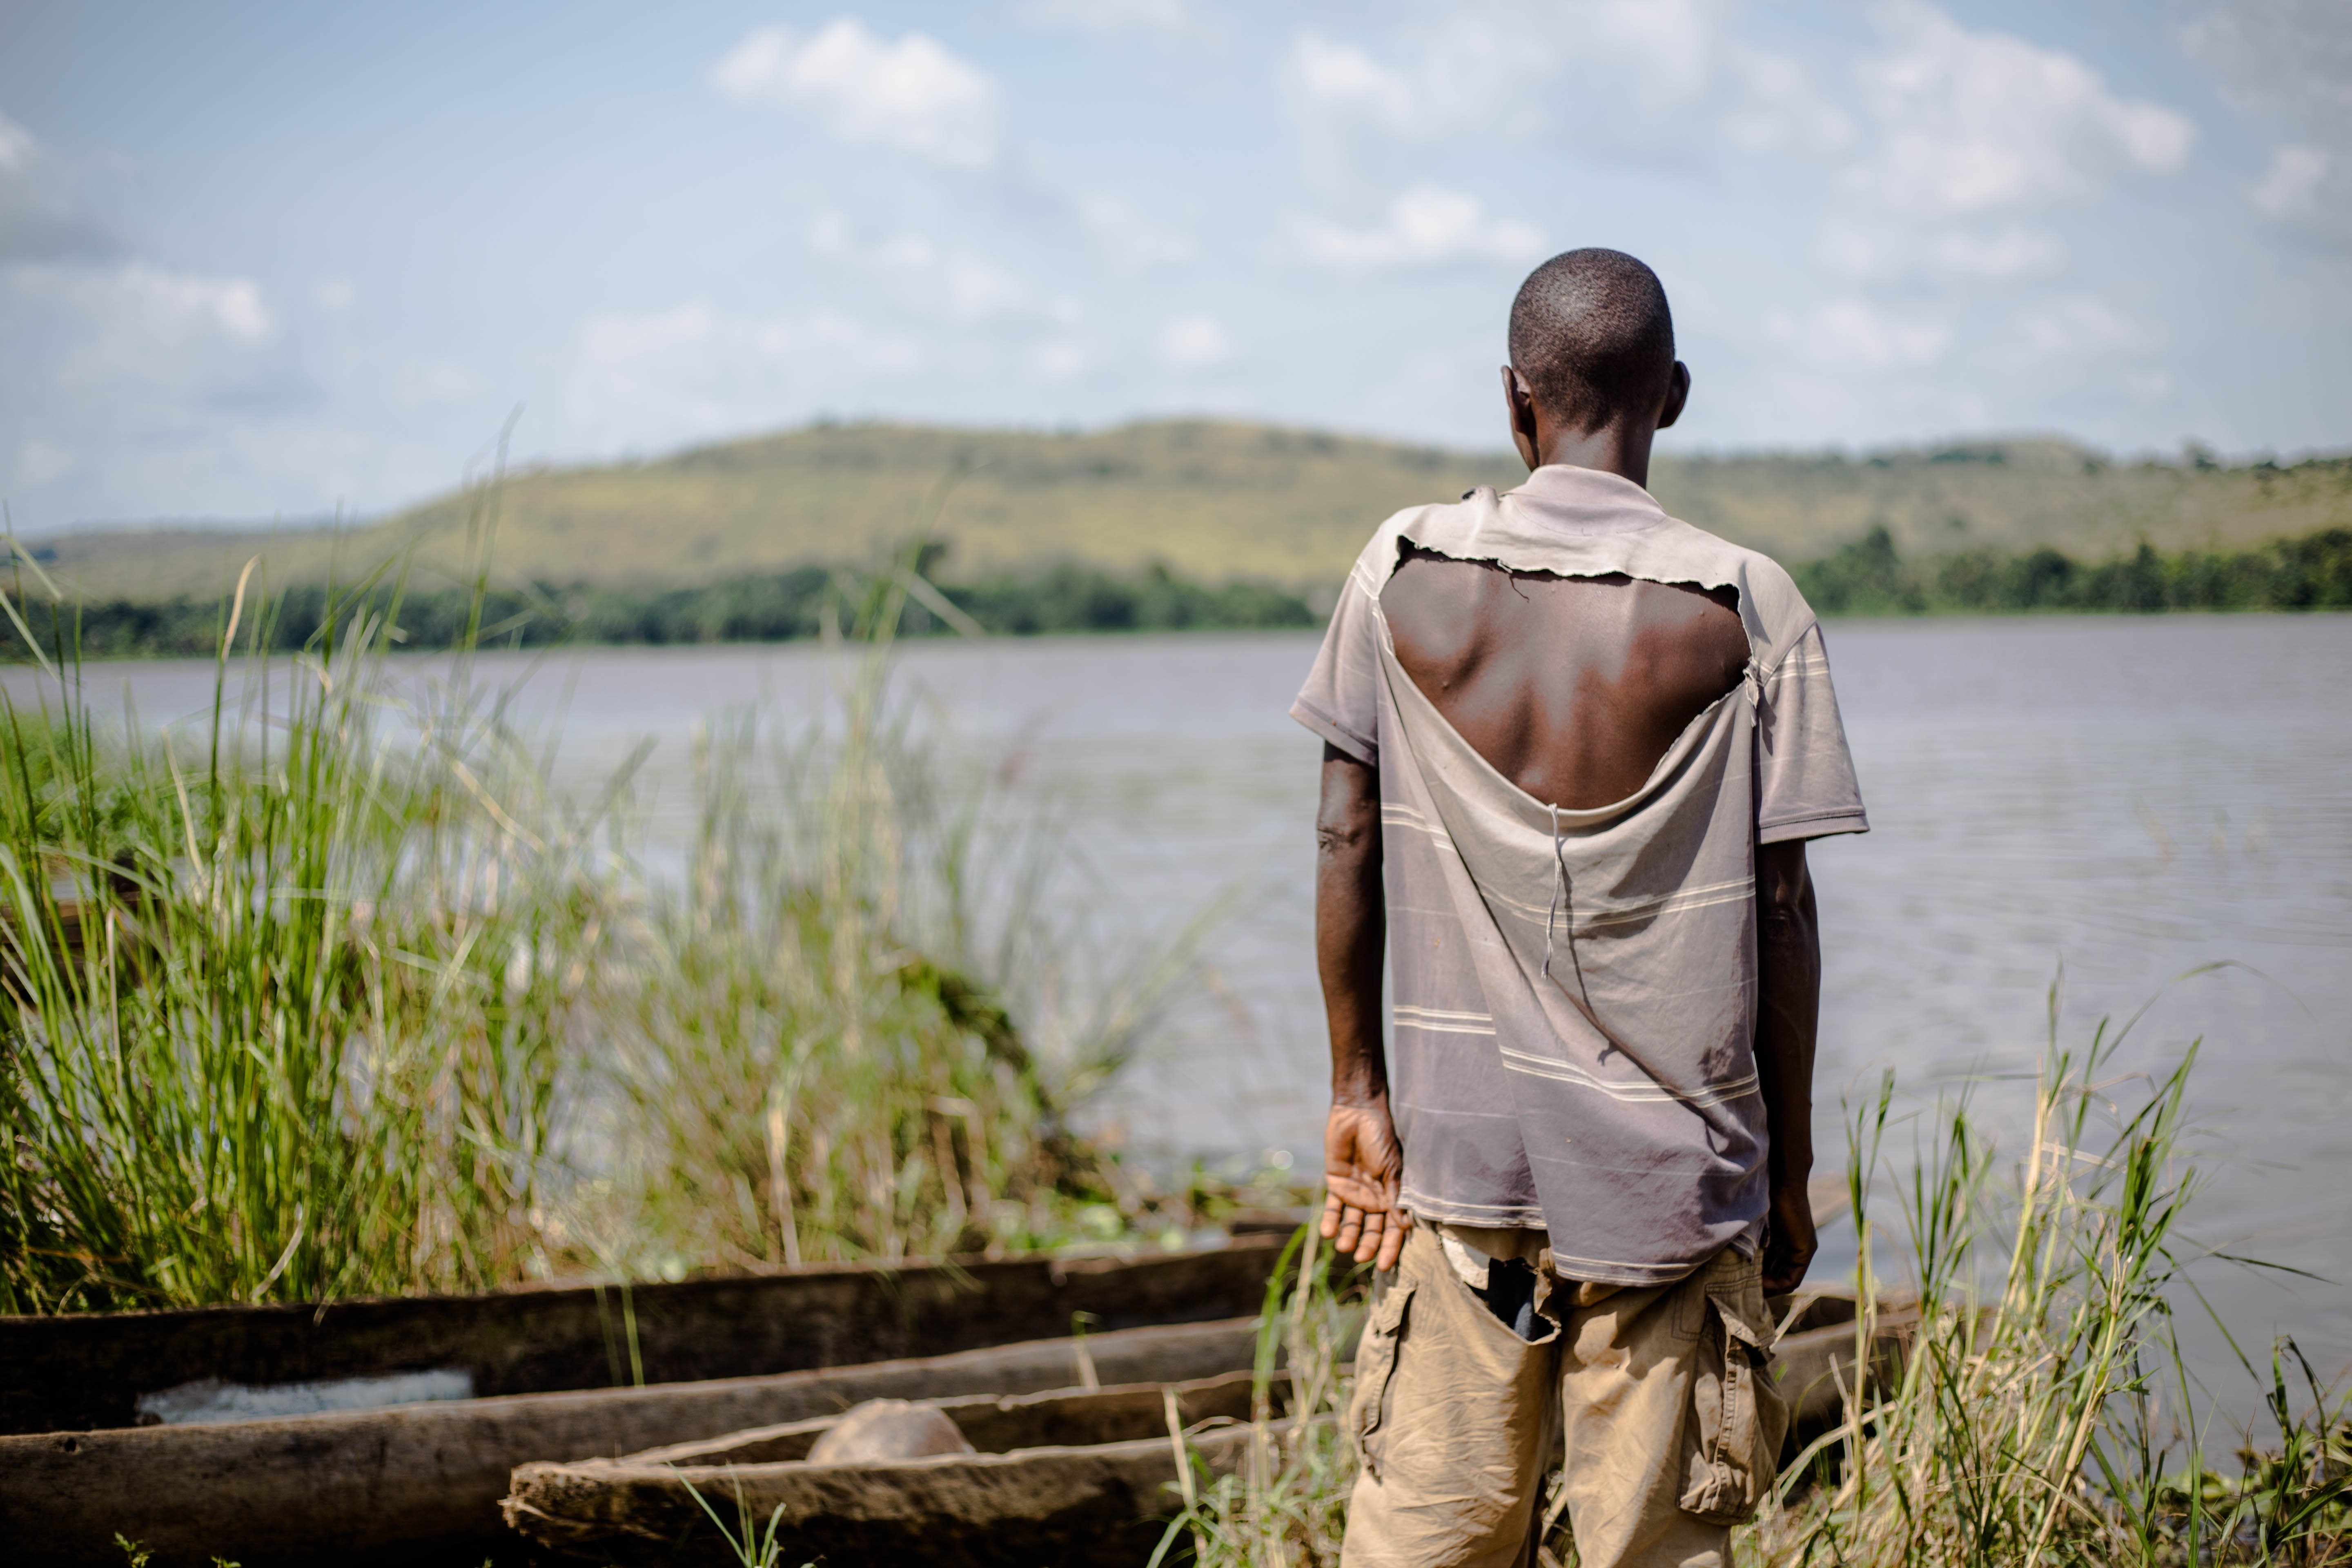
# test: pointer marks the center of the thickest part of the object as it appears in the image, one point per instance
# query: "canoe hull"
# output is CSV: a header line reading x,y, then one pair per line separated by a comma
x,y
1075,1508
83,1371
422,1484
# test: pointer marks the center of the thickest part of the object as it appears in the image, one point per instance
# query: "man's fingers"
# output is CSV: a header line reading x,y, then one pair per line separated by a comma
x,y
1331,1226
1351,1222
1391,1245
1370,1247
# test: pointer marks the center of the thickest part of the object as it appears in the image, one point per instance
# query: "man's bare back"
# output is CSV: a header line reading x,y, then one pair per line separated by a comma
x,y
1571,688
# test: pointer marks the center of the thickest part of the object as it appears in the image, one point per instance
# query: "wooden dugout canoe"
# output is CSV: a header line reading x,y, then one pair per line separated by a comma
x,y
1074,1478
87,1371
421,1484
1814,1361
1067,1477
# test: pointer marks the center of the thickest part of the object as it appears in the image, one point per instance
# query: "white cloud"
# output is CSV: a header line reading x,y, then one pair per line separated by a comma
x,y
1129,241
1941,308
1341,80
2288,57
2289,189
1195,341
1975,124
1777,107
2077,328
1112,15
1461,76
426,385
954,281
1423,226
41,462
912,95
185,334
1873,250
1619,78
136,390
693,370
965,285
2288,65
16,147
1857,334
321,465
1672,45
1060,359
142,306
37,222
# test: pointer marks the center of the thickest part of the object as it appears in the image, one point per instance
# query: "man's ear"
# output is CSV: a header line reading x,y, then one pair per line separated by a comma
x,y
1519,401
1677,395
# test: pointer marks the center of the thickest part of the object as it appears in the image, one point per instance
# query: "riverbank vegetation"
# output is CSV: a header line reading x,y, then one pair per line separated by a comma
x,y
337,992
781,606
1869,576
2039,1415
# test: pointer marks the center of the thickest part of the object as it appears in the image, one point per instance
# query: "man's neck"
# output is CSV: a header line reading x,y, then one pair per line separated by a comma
x,y
1622,448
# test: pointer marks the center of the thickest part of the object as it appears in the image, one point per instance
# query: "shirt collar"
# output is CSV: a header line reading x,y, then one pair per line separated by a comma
x,y
1585,500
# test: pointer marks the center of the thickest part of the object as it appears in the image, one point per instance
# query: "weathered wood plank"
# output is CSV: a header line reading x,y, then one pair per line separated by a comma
x,y
1813,1363
1101,1506
1062,1418
87,1372
422,1484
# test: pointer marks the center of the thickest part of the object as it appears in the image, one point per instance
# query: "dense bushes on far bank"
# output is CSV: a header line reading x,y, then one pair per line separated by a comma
x,y
1869,576
773,607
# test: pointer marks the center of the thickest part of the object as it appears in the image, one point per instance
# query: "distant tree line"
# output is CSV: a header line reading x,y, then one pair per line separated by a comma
x,y
770,607
1869,578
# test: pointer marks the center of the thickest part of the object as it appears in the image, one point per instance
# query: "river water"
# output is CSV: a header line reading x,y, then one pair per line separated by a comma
x,y
2121,800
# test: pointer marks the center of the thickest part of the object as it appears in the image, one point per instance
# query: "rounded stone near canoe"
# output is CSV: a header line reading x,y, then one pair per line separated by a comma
x,y
884,1429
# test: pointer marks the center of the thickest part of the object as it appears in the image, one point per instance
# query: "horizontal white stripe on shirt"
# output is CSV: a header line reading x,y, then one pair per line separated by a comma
x,y
1649,1091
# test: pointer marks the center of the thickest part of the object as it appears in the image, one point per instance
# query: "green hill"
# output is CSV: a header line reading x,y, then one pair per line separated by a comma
x,y
1215,501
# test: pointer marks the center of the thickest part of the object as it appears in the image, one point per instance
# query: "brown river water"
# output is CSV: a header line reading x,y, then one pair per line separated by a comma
x,y
2127,798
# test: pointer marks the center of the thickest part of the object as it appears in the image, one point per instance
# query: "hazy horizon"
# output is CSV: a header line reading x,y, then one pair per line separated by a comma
x,y
167,521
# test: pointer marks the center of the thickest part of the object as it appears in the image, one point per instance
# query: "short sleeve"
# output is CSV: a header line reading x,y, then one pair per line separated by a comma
x,y
1341,700
1805,784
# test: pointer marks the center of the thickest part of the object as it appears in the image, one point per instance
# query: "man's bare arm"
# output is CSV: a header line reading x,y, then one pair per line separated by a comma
x,y
1362,1160
1788,973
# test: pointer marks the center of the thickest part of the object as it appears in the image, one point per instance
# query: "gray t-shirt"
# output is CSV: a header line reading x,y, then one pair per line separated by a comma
x,y
1574,991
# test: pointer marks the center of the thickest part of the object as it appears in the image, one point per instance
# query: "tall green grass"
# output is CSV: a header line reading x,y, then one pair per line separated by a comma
x,y
336,991
282,996
2041,1413
1288,1501
859,1025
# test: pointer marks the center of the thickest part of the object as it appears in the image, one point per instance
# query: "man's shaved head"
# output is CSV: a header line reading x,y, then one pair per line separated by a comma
x,y
1591,334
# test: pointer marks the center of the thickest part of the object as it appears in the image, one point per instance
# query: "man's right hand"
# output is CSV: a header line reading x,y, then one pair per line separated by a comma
x,y
1361,1169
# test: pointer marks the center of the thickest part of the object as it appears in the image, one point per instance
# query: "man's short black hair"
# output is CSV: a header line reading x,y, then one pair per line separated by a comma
x,y
1591,333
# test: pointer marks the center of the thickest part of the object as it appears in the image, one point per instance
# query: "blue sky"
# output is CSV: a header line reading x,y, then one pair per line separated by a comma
x,y
263,260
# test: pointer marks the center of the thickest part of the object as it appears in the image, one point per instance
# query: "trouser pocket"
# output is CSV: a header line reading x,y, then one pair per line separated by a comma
x,y
1376,1360
1737,1413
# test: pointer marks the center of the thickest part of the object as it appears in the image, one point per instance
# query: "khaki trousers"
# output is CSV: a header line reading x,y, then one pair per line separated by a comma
x,y
1659,1400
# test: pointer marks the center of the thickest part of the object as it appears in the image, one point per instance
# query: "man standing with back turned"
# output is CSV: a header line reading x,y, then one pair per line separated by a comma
x,y
1573,750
